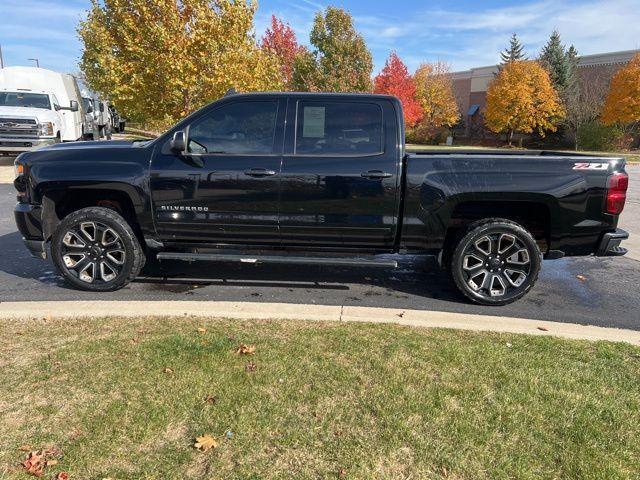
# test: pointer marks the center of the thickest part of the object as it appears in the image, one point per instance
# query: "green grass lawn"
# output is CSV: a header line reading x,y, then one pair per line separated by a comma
x,y
125,399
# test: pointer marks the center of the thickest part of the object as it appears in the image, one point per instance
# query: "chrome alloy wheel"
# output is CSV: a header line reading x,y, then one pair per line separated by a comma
x,y
93,252
496,264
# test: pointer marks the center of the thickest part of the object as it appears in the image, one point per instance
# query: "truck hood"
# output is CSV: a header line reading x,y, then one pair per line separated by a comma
x,y
41,114
91,145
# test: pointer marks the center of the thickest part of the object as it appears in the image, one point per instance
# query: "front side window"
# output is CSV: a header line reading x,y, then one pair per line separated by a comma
x,y
24,99
238,128
338,128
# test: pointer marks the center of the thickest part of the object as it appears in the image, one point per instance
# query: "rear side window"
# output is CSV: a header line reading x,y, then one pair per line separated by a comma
x,y
238,128
338,128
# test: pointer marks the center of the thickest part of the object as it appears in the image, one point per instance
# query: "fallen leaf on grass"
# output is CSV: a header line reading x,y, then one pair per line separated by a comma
x,y
342,473
582,278
62,476
34,464
205,442
211,399
543,329
245,349
202,330
168,370
37,461
251,366
25,448
401,314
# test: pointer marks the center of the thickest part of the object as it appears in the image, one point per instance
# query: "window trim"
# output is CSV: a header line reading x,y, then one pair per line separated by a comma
x,y
338,155
227,104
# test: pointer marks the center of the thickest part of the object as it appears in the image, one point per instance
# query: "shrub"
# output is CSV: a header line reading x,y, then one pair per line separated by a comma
x,y
596,136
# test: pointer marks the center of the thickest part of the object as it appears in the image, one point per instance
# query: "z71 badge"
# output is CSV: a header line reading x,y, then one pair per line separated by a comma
x,y
590,166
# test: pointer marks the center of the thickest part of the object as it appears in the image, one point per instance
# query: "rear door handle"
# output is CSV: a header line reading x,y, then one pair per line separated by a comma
x,y
375,174
259,172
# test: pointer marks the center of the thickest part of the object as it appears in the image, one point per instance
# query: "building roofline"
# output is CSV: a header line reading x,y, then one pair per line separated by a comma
x,y
582,60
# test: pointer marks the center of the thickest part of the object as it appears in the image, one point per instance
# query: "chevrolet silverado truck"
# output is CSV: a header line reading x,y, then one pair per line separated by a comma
x,y
321,179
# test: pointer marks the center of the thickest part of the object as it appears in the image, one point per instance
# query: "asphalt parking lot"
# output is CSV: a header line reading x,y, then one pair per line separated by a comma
x,y
595,291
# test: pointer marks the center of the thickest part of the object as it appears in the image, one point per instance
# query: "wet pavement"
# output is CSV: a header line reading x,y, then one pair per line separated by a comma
x,y
588,290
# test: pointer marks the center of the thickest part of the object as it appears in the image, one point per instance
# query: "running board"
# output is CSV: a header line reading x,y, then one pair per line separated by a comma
x,y
289,260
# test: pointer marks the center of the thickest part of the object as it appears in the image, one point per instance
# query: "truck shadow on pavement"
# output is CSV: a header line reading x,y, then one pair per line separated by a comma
x,y
415,276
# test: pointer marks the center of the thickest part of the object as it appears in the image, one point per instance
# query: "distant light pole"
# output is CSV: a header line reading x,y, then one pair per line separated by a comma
x,y
35,60
1,59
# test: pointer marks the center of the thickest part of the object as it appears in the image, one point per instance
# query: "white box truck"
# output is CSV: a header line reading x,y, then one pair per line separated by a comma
x,y
38,107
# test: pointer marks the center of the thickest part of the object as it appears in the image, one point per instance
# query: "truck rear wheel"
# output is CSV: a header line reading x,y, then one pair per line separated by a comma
x,y
496,262
96,249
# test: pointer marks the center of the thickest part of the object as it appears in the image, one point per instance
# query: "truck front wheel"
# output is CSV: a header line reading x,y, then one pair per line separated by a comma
x,y
496,262
95,249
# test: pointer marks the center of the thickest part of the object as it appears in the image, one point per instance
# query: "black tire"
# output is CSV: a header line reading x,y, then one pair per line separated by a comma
x,y
490,270
103,246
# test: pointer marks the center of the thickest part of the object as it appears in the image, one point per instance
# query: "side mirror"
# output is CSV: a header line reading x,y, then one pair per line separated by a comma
x,y
179,142
73,106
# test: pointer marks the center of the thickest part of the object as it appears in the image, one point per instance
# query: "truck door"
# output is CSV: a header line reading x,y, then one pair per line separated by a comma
x,y
341,173
225,188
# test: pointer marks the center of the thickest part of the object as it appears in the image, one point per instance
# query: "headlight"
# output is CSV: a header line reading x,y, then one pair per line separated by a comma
x,y
46,129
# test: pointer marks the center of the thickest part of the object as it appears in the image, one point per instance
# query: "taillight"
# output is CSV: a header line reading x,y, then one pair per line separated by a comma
x,y
617,185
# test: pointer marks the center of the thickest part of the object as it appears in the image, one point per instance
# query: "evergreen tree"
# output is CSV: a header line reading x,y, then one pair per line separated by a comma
x,y
555,59
514,52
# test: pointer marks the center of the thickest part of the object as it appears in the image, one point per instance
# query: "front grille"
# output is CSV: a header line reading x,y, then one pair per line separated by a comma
x,y
30,121
19,127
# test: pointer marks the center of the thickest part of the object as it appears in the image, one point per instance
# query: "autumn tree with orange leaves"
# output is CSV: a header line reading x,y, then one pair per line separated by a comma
x,y
622,105
521,98
434,92
280,40
394,79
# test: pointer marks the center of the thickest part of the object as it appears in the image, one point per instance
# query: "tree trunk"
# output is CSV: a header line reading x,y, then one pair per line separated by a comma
x,y
510,137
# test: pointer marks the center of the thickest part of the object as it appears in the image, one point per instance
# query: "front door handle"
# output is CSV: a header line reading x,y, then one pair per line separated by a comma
x,y
375,174
259,172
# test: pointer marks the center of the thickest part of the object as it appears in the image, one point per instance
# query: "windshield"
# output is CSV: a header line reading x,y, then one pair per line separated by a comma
x,y
24,99
87,102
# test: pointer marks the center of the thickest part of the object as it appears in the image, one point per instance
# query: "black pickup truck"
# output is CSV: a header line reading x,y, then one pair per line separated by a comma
x,y
313,179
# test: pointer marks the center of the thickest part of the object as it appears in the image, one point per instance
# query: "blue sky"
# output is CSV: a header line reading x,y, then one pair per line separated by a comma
x,y
464,33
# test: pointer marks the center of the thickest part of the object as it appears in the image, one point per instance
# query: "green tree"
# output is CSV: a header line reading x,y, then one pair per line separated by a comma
x,y
555,58
159,60
515,51
340,60
562,65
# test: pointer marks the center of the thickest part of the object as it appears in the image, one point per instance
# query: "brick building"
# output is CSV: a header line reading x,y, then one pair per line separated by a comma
x,y
470,86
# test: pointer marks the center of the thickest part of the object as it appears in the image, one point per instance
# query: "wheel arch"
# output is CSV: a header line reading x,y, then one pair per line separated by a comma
x,y
534,216
57,204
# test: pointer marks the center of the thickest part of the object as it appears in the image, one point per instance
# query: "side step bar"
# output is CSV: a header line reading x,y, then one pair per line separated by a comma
x,y
289,260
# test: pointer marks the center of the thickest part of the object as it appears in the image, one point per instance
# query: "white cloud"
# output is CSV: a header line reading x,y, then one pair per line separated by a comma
x,y
468,39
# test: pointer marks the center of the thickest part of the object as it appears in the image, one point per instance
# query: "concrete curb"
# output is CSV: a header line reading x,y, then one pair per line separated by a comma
x,y
275,311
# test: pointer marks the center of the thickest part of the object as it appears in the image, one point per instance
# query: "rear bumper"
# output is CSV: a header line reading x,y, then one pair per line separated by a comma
x,y
610,244
18,145
28,220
